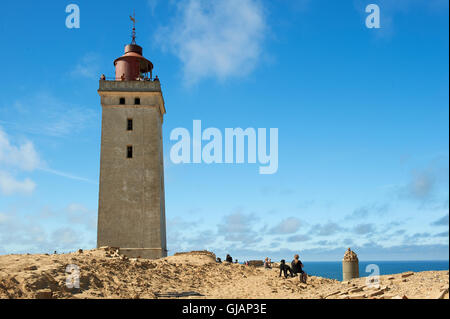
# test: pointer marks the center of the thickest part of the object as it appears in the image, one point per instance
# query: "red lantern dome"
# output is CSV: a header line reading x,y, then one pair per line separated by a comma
x,y
132,66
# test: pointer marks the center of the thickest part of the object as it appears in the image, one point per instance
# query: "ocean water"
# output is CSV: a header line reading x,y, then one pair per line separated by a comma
x,y
333,269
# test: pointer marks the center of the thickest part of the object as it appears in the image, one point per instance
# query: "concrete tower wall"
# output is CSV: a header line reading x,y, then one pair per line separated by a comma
x,y
131,199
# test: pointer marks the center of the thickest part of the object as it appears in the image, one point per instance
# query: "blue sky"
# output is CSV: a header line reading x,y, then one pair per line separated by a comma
x,y
362,116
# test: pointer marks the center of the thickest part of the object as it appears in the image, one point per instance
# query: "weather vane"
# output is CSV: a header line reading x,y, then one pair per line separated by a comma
x,y
133,36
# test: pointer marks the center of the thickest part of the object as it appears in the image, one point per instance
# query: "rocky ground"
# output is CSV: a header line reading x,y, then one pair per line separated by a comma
x,y
105,274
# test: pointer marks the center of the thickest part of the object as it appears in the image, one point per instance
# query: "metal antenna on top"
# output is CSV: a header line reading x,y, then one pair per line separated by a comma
x,y
133,35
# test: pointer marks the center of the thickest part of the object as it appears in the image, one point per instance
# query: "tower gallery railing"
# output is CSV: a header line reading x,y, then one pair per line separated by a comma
x,y
104,78
112,84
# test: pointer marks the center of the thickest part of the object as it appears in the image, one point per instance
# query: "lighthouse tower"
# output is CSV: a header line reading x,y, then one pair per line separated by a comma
x,y
131,213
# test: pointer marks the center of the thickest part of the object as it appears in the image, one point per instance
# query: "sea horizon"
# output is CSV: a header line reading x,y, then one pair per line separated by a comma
x,y
333,269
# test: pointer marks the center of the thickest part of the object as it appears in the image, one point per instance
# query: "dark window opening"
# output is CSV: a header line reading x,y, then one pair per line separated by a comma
x,y
137,101
129,151
122,101
130,125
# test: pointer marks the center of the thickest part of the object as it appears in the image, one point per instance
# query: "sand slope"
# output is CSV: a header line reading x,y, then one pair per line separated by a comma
x,y
104,274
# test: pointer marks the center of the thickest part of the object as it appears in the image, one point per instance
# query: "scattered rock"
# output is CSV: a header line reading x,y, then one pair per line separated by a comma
x,y
31,268
400,297
407,274
376,298
44,294
376,293
80,251
358,289
332,294
360,296
256,263
442,294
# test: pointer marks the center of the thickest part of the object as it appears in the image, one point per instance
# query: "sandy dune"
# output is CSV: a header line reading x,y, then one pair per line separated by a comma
x,y
105,274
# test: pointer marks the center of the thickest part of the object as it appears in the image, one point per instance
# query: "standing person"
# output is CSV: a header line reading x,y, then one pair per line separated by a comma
x,y
267,263
229,259
297,268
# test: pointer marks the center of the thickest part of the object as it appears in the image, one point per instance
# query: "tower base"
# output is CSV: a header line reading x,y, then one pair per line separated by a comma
x,y
350,270
145,253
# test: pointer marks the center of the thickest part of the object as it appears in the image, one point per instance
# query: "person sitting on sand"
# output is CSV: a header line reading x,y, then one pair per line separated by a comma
x,y
285,269
267,263
297,268
297,265
219,260
229,259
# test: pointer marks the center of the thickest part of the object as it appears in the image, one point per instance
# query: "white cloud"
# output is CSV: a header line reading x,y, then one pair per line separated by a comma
x,y
10,185
65,229
153,4
3,218
66,237
22,156
327,229
428,186
288,226
45,114
364,229
221,38
87,67
422,185
16,157
80,214
238,227
67,175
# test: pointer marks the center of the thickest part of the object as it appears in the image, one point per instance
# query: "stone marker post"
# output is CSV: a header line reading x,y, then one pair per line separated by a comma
x,y
350,266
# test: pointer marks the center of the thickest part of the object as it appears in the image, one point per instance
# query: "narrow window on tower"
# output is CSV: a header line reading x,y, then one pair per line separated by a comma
x,y
122,101
137,101
129,151
129,124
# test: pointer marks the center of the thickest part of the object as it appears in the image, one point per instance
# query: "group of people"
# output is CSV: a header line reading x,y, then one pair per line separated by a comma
x,y
295,269
228,259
